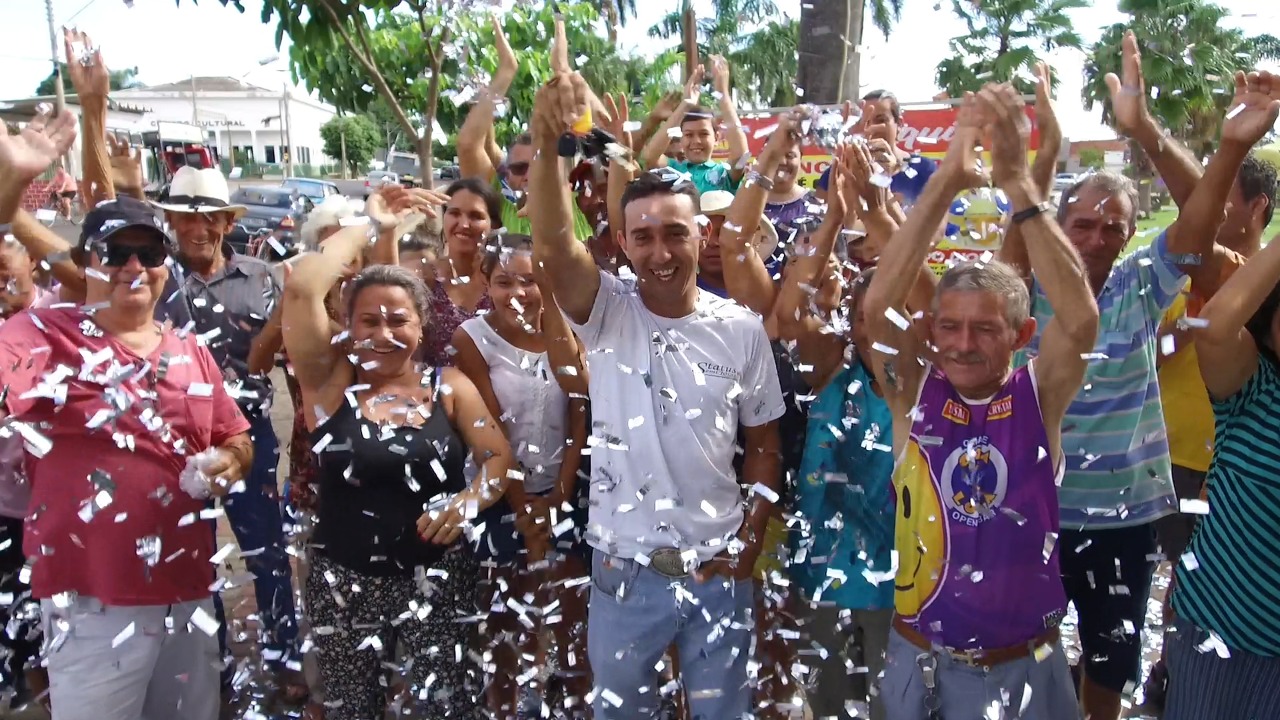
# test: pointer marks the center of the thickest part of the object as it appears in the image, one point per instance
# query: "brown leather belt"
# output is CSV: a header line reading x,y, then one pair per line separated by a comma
x,y
978,657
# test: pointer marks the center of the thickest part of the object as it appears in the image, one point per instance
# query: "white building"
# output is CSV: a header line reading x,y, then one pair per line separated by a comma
x,y
242,121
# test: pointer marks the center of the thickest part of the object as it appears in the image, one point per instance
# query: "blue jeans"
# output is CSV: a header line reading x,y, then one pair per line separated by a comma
x,y
635,614
256,520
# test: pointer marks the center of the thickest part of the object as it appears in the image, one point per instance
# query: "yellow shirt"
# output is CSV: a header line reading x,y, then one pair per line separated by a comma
x,y
1188,415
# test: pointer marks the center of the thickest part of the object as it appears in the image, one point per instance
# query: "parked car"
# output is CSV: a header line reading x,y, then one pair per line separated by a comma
x,y
275,212
448,173
377,178
1063,181
316,190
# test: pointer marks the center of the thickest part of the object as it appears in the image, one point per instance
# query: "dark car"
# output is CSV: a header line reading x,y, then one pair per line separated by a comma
x,y
316,190
376,179
273,211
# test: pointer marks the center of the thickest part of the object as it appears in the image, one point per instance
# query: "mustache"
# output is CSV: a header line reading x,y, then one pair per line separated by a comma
x,y
964,357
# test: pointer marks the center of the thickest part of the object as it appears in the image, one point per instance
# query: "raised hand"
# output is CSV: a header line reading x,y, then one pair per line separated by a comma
x,y
1008,130
620,115
720,74
1046,114
126,165
789,129
1253,109
40,143
88,73
693,88
559,105
426,200
859,168
1129,91
508,65
962,165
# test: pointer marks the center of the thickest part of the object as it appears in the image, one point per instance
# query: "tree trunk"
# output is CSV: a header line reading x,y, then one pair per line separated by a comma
x,y
689,38
611,17
830,36
1143,173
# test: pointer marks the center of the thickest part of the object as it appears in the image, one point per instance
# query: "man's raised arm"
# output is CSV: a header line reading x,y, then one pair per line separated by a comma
x,y
567,262
897,347
1179,170
473,137
1071,333
733,132
1253,113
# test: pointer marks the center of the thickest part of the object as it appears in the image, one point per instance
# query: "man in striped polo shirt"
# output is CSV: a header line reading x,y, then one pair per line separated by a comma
x,y
1118,478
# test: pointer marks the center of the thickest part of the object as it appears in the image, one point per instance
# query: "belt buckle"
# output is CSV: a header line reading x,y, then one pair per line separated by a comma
x,y
668,563
968,658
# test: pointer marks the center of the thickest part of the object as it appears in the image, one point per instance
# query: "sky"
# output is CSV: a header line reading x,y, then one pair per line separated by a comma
x,y
168,43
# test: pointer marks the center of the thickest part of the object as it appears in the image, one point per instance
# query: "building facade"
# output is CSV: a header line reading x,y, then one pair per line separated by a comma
x,y
247,124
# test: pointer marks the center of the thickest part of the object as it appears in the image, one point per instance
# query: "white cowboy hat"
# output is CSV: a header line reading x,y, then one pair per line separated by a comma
x,y
199,191
717,202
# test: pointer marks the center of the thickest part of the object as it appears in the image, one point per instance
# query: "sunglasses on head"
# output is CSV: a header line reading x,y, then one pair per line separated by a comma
x,y
519,168
151,255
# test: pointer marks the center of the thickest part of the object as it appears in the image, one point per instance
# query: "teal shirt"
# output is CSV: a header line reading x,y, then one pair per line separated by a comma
x,y
1229,581
707,176
845,495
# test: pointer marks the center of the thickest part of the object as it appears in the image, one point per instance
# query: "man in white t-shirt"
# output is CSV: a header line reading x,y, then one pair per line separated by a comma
x,y
674,372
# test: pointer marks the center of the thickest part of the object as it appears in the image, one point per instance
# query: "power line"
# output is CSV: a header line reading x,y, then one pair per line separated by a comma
x,y
81,10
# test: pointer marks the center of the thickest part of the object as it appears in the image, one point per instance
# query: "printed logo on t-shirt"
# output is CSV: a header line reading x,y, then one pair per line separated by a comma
x,y
719,371
974,478
1000,409
955,412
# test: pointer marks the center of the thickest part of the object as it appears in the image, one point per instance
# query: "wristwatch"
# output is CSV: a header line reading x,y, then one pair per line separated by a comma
x,y
1024,215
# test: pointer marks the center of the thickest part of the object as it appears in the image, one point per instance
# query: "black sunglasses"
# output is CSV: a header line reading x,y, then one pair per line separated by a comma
x,y
519,168
151,255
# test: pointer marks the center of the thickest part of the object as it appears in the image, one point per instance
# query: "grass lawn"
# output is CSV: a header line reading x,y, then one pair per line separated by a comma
x,y
1149,228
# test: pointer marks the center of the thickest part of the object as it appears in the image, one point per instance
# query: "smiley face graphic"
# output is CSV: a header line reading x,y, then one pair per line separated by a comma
x,y
920,534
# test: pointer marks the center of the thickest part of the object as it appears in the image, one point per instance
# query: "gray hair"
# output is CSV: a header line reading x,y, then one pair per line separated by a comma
x,y
994,277
329,213
391,276
1113,184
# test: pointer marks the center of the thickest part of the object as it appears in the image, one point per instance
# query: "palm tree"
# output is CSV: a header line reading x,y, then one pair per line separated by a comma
x,y
831,32
615,13
763,60
1003,40
1188,57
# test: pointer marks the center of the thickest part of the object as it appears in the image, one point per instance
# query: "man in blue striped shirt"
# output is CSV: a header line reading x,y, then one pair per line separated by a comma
x,y
1118,479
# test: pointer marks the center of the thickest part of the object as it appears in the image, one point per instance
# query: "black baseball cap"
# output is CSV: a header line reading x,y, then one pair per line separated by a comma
x,y
111,216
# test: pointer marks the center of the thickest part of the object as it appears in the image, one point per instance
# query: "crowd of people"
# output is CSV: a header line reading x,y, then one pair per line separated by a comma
x,y
649,433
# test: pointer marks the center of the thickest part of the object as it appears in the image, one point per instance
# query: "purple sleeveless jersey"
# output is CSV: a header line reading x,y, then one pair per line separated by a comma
x,y
977,524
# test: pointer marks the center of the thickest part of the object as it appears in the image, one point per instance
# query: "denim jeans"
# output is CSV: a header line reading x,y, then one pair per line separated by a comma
x,y
256,519
635,613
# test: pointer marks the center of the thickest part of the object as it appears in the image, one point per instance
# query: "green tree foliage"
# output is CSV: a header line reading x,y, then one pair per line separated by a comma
x,y
763,61
1093,158
120,80
418,62
615,14
1003,42
361,137
1188,57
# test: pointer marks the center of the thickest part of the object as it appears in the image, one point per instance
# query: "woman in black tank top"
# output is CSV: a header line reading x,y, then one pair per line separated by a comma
x,y
390,439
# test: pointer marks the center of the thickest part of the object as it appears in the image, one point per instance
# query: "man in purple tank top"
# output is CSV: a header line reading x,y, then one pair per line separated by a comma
x,y
978,594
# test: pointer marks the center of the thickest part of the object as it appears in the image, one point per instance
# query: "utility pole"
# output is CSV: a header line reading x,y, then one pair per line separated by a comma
x,y
195,111
343,136
288,136
60,99
59,95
